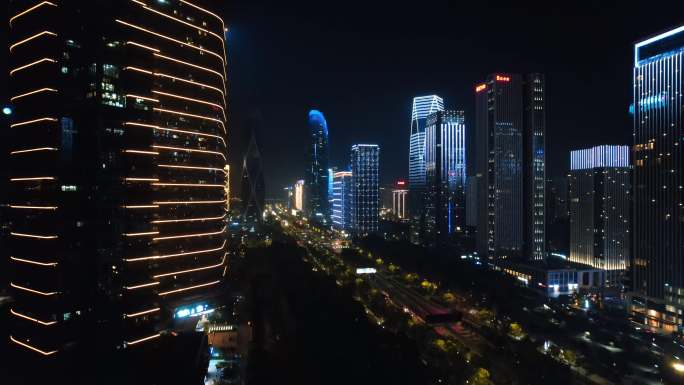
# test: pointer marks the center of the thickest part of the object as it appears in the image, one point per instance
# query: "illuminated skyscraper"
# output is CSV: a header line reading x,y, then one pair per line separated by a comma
x,y
118,156
399,200
511,166
316,177
599,209
499,166
445,166
534,167
341,210
422,107
658,228
365,189
299,195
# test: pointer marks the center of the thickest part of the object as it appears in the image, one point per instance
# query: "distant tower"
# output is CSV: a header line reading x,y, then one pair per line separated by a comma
x,y
253,189
534,168
365,189
421,108
316,177
341,212
445,167
511,166
599,209
498,105
399,201
299,195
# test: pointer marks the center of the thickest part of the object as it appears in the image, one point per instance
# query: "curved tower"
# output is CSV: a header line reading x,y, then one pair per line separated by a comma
x,y
421,108
316,180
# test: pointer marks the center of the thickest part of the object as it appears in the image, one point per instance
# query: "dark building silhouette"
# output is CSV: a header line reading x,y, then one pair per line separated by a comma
x,y
118,172
511,166
253,189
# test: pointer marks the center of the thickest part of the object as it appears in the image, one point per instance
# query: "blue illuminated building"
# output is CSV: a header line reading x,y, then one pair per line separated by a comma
x,y
316,177
341,200
445,168
657,299
365,189
421,108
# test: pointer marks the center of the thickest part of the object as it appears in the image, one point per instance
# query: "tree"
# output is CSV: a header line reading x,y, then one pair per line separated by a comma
x,y
516,331
480,377
570,357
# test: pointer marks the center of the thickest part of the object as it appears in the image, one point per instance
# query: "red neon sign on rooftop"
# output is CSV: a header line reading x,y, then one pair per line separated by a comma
x,y
500,78
401,183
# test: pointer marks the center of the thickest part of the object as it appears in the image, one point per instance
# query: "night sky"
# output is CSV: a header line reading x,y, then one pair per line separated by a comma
x,y
361,62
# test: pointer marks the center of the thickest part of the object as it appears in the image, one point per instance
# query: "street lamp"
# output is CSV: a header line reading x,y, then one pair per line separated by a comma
x,y
7,110
678,367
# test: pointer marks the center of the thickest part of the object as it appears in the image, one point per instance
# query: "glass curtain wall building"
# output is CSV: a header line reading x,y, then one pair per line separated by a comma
x,y
341,200
365,189
534,170
445,167
511,166
316,177
658,229
118,158
499,121
421,108
600,209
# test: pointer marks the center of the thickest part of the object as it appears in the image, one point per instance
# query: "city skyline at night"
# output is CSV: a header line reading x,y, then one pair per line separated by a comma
x,y
248,192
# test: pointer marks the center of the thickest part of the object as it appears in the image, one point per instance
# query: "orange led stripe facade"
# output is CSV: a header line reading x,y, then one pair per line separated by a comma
x,y
31,9
188,288
29,65
45,264
44,323
162,124
44,89
144,312
44,33
143,339
27,289
33,348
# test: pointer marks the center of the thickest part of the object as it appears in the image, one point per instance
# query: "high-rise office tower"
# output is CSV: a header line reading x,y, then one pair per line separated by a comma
x,y
511,125
399,200
534,168
299,195
557,199
471,201
316,177
445,166
341,212
658,262
365,189
331,177
499,121
118,156
422,107
253,188
600,209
